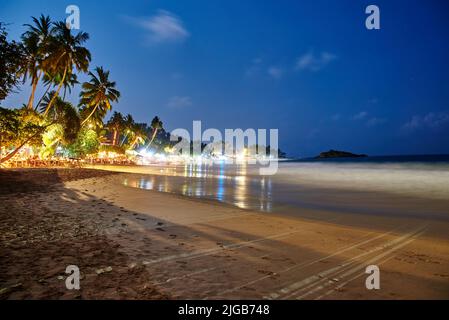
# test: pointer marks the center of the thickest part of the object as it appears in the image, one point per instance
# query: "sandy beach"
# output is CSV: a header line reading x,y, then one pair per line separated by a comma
x,y
142,244
228,151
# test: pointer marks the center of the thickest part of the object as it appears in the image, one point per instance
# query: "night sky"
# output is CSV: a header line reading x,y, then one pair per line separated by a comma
x,y
309,68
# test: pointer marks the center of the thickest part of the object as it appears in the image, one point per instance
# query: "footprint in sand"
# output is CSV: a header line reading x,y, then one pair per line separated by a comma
x,y
441,275
270,273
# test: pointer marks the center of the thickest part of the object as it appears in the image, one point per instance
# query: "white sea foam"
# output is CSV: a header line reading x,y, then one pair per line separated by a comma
x,y
421,180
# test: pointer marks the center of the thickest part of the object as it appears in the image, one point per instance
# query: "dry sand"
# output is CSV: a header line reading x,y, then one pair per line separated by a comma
x,y
166,246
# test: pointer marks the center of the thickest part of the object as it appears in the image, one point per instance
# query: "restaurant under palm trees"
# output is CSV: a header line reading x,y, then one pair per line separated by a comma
x,y
52,131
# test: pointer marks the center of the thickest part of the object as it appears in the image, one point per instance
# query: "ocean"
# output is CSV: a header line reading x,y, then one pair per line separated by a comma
x,y
386,185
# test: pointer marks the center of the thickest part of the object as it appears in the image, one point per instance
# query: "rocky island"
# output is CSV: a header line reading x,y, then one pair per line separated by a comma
x,y
339,154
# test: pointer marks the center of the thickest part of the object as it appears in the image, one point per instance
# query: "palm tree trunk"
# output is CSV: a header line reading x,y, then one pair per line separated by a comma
x,y
134,143
124,138
33,90
14,152
152,138
56,93
90,115
114,137
45,93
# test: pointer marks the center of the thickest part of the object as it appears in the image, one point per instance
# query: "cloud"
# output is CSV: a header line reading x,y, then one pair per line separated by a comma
x,y
369,121
313,62
372,122
360,116
258,68
177,102
275,72
431,120
162,27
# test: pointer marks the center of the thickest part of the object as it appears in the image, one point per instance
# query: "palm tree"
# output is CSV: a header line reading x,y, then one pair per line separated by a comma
x,y
129,121
66,122
66,53
156,124
139,134
35,41
45,101
128,124
98,94
20,127
70,81
116,123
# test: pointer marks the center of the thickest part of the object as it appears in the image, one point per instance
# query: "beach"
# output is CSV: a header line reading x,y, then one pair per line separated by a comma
x,y
227,151
131,240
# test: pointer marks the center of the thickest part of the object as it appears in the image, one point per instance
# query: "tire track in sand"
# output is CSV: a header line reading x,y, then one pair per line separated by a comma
x,y
318,281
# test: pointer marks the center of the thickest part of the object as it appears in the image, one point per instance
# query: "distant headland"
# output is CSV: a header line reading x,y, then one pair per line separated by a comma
x,y
339,154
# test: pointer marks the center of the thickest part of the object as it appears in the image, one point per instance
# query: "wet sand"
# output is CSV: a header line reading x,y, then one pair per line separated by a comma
x,y
161,245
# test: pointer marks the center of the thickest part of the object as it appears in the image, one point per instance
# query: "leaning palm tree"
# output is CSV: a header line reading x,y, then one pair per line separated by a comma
x,y
139,134
128,125
116,124
64,129
49,81
35,42
156,124
45,101
66,54
98,94
70,81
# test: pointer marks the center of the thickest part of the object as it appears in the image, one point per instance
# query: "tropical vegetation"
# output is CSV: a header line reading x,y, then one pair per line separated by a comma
x,y
52,57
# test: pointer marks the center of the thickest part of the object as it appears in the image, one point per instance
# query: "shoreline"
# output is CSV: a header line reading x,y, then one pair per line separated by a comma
x,y
161,245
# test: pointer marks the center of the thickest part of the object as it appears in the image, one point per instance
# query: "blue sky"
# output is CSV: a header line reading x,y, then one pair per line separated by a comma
x,y
309,68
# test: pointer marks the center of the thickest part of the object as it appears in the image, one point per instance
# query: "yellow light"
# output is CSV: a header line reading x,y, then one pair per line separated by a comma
x,y
102,154
169,150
